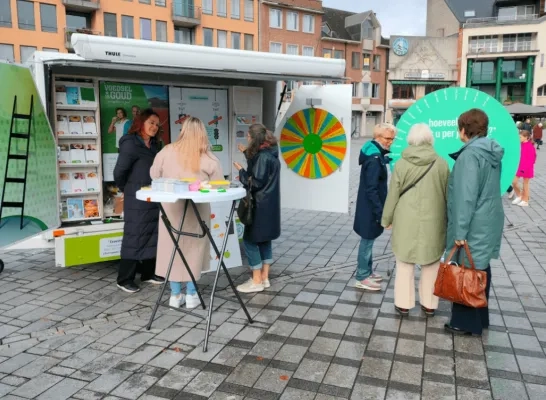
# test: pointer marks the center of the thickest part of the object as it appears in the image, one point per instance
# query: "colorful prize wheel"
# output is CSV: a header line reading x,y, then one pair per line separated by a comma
x,y
313,143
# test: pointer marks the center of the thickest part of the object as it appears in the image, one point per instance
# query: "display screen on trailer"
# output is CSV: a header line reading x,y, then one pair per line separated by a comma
x,y
120,104
28,159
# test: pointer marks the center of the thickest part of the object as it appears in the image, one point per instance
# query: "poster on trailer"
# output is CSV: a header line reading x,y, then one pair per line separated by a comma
x,y
211,107
120,104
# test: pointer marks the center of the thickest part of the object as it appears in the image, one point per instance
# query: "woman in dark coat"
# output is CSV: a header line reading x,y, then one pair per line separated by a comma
x,y
137,151
262,178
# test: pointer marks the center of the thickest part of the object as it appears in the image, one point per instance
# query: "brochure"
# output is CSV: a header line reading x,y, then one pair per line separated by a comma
x,y
75,208
77,153
89,125
64,154
92,182
72,95
62,125
91,154
64,183
75,124
60,95
90,208
78,182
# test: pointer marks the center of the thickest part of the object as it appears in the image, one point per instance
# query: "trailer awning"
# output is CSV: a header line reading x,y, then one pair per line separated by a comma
x,y
153,70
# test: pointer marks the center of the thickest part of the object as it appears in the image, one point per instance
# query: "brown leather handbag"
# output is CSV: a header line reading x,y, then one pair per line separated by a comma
x,y
460,284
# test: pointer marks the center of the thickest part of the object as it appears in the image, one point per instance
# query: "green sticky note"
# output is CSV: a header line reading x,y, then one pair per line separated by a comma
x,y
440,110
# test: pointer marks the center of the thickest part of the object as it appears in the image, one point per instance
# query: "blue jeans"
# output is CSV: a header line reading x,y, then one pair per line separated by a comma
x,y
365,259
258,254
176,288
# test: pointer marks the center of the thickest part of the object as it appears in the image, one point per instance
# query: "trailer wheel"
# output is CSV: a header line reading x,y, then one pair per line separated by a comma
x,y
1,266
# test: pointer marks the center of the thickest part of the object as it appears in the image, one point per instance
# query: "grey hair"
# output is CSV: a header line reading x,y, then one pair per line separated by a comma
x,y
384,126
420,134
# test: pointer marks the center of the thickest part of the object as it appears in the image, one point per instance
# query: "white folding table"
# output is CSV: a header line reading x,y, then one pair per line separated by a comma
x,y
193,198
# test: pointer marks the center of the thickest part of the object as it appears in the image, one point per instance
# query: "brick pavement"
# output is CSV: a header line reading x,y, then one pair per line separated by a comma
x,y
69,333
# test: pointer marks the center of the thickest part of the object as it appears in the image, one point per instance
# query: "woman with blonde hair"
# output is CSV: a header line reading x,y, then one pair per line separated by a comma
x,y
188,157
416,210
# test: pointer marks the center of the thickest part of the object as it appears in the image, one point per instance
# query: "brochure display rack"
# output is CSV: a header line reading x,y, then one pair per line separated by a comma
x,y
79,148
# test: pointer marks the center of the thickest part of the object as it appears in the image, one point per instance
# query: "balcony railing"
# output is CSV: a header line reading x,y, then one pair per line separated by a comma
x,y
82,5
483,76
507,47
508,20
69,31
520,74
514,99
185,14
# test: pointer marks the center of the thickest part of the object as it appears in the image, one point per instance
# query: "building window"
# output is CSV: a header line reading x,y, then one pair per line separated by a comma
x,y
207,37
326,29
127,27
514,69
376,63
366,61
48,17
275,47
292,21
327,53
366,90
355,60
110,25
50,49
145,1
375,91
145,29
356,86
249,10
367,30
402,92
222,39
249,42
161,3
207,6
25,15
183,35
236,9
161,31
5,15
275,18
221,8
308,23
483,44
483,71
308,51
339,54
292,49
235,40
517,13
26,53
432,88
6,52
519,42
78,21
541,91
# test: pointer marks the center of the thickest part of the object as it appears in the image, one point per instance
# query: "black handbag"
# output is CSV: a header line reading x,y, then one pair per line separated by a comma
x,y
245,210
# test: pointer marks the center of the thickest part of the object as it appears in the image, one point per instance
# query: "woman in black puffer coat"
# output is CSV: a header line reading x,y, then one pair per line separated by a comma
x,y
137,151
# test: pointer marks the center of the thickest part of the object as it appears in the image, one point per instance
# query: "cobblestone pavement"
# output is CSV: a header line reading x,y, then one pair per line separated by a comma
x,y
69,333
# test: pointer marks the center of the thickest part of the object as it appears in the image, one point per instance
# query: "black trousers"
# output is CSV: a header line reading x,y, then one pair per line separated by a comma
x,y
129,268
469,319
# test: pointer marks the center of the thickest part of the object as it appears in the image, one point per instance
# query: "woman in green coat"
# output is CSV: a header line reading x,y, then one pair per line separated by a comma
x,y
416,210
474,209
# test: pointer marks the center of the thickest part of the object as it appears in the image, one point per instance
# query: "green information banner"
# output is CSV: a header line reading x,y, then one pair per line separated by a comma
x,y
91,249
120,104
440,110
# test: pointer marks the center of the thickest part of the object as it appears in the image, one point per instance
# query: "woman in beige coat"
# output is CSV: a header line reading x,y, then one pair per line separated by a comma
x,y
418,218
188,157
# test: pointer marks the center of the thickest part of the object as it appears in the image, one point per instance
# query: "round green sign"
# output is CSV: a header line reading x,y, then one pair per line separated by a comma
x,y
440,110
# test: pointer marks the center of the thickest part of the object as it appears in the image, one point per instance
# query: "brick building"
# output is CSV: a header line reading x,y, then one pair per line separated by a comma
x,y
290,27
357,39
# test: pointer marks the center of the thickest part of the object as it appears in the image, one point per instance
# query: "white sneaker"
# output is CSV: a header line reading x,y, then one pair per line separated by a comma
x,y
177,301
375,278
523,204
250,287
192,301
266,283
517,200
368,284
511,194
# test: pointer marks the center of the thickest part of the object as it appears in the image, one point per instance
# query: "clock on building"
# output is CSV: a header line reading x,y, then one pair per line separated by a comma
x,y
400,46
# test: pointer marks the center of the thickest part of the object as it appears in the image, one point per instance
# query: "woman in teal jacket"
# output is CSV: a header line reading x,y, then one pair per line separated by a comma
x,y
474,210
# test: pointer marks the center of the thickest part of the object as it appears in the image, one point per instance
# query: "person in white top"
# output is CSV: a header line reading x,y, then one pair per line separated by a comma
x,y
120,124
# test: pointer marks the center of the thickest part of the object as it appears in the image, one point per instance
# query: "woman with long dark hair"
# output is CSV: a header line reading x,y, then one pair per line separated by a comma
x,y
137,151
262,178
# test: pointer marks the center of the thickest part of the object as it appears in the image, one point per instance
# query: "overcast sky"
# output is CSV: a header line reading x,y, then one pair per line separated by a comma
x,y
397,17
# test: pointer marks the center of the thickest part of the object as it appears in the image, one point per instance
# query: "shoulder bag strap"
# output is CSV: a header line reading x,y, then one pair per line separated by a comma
x,y
418,180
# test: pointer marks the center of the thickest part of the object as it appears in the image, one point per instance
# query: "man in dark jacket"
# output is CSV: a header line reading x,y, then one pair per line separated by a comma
x,y
372,193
